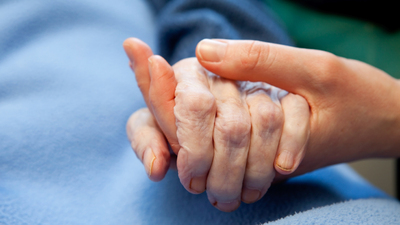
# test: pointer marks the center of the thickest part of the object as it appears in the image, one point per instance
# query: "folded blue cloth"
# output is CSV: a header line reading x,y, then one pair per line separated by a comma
x,y
362,211
66,92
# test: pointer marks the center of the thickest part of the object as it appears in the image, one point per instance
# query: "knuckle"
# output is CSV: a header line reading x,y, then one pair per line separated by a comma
x,y
328,67
253,55
268,114
234,126
198,103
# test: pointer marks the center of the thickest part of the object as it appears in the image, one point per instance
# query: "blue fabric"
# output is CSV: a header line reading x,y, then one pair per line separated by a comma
x,y
362,211
181,24
66,92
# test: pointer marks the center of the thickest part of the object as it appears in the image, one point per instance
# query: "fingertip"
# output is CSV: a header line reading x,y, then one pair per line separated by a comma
x,y
198,184
287,162
295,134
133,42
158,66
212,51
129,47
160,166
136,50
128,42
156,163
148,143
284,163
282,170
226,206
250,195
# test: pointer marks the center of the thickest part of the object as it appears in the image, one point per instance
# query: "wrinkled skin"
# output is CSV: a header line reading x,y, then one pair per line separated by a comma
x,y
354,107
229,136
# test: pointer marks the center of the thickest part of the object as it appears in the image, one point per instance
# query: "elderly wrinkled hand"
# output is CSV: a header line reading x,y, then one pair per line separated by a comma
x,y
229,136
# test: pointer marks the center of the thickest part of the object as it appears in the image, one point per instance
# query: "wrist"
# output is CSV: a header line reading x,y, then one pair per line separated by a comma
x,y
394,140
380,133
397,137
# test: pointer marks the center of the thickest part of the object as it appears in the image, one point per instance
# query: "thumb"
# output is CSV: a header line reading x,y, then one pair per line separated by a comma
x,y
293,69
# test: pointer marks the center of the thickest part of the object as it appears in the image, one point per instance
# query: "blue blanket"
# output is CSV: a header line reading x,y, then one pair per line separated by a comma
x,y
66,92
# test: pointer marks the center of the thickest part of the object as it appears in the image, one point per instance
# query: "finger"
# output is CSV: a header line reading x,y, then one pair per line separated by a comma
x,y
231,144
161,97
195,112
138,53
295,134
148,143
292,69
266,128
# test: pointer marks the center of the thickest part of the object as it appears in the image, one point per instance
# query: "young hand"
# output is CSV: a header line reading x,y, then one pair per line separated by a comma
x,y
354,106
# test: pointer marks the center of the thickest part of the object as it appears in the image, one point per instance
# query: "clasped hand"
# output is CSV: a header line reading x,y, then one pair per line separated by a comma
x,y
230,137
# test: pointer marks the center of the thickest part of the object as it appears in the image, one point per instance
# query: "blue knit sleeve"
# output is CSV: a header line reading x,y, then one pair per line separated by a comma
x,y
181,24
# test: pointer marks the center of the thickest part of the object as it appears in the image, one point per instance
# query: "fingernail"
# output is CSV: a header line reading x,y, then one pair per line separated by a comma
x,y
285,161
212,51
227,206
250,195
148,161
198,184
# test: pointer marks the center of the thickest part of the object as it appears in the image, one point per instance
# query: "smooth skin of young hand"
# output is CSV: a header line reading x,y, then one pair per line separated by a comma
x,y
227,133
355,108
